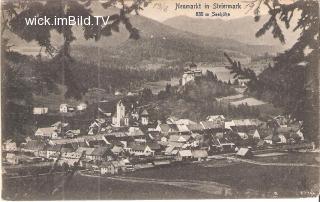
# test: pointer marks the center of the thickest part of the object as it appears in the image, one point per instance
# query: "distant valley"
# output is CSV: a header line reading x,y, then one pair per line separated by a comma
x,y
160,45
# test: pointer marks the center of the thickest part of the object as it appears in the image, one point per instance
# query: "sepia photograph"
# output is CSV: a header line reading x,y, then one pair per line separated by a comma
x,y
159,99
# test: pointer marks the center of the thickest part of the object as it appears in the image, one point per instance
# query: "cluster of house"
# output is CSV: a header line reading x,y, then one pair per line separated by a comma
x,y
122,140
63,108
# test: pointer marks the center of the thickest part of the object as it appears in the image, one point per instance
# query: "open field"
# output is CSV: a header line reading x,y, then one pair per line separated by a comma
x,y
250,101
158,86
93,188
308,158
182,181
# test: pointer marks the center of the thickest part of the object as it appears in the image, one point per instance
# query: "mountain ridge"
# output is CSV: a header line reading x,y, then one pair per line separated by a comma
x,y
242,29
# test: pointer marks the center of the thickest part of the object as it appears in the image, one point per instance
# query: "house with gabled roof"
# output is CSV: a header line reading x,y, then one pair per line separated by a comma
x,y
172,150
268,139
200,154
86,150
183,128
212,126
33,146
179,138
221,145
9,145
171,120
72,133
184,122
184,155
197,127
100,153
244,152
110,167
12,158
95,142
117,150
229,124
215,118
48,132
144,149
165,129
53,151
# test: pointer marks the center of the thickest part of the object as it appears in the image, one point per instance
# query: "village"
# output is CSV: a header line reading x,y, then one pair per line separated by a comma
x,y
123,138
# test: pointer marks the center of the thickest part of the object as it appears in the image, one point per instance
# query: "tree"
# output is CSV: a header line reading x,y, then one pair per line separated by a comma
x,y
168,88
236,82
146,95
292,82
15,13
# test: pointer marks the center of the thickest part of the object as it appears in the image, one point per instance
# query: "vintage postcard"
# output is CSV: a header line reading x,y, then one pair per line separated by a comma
x,y
159,99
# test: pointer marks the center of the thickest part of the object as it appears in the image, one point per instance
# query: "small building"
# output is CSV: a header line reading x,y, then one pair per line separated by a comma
x,y
49,132
200,154
268,139
82,106
243,135
244,152
72,133
135,132
261,143
280,139
221,145
141,149
243,82
282,121
9,145
117,93
40,110
172,150
166,129
184,122
117,149
227,145
53,151
184,155
87,151
12,158
229,124
99,153
65,108
110,167
183,129
179,138
216,118
196,127
297,136
34,147
255,134
212,126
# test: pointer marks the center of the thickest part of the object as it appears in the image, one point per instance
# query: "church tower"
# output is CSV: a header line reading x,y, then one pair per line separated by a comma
x,y
120,113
